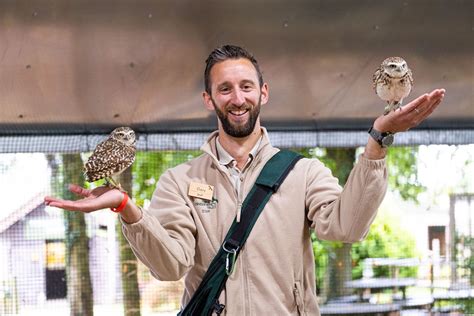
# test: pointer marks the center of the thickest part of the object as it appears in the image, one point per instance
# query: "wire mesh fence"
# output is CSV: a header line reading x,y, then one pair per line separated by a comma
x,y
39,244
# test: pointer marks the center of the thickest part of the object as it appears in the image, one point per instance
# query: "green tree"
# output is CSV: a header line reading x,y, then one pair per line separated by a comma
x,y
128,261
149,166
79,286
339,264
333,259
403,172
386,239
146,170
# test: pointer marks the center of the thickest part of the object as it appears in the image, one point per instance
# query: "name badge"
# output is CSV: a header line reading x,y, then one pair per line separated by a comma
x,y
202,191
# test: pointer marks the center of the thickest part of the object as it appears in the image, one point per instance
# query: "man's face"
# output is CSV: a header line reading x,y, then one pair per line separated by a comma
x,y
236,96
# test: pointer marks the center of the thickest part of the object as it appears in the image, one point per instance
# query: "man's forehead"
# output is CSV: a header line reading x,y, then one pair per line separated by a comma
x,y
231,70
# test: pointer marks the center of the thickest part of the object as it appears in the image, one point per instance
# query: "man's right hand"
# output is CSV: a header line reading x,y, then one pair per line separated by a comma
x,y
102,197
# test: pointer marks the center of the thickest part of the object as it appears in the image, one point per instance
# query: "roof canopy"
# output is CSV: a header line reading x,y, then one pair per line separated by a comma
x,y
83,67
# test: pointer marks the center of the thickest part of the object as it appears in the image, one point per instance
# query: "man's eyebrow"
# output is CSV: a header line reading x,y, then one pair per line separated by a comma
x,y
247,81
227,83
223,84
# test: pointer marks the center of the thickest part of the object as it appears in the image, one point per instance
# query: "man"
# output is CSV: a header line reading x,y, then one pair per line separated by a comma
x,y
179,234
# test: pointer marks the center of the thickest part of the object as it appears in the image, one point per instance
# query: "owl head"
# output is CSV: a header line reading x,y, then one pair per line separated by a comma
x,y
124,135
395,67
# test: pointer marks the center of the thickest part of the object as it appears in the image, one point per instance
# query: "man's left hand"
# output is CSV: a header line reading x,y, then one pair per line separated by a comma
x,y
411,114
403,119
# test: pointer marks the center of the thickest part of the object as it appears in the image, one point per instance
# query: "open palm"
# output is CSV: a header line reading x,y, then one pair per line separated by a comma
x,y
93,200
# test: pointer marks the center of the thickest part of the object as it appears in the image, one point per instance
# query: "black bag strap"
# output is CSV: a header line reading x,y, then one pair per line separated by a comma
x,y
205,299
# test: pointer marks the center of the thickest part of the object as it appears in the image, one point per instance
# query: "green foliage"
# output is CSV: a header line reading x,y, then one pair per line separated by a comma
x,y
465,263
401,161
467,306
403,172
321,250
386,239
340,161
149,166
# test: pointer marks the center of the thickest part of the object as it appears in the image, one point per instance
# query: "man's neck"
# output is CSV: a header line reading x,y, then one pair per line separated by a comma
x,y
239,147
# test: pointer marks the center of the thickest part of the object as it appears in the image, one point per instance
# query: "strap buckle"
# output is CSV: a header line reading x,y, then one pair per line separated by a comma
x,y
218,308
231,249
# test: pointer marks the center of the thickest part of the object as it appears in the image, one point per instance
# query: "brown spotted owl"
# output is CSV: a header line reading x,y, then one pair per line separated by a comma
x,y
392,82
112,156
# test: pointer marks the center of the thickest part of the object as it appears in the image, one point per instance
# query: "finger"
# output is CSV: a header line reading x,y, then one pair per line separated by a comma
x,y
74,188
88,204
438,92
101,190
427,110
434,100
433,107
420,102
435,95
81,205
416,103
49,199
59,203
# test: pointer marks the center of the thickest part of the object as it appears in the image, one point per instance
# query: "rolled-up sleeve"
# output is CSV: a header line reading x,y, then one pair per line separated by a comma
x,y
345,214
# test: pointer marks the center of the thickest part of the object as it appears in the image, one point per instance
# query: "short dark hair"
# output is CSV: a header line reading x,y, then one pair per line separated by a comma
x,y
228,52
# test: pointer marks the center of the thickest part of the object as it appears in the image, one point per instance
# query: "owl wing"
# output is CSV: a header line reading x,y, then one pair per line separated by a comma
x,y
376,77
109,157
410,77
125,159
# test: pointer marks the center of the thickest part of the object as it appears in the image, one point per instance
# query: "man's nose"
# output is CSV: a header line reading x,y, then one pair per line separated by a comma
x,y
238,98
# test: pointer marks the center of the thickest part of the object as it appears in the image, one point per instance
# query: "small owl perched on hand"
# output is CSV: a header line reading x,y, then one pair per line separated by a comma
x,y
393,81
111,157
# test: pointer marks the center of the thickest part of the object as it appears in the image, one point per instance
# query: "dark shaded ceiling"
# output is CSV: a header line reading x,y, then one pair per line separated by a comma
x,y
81,67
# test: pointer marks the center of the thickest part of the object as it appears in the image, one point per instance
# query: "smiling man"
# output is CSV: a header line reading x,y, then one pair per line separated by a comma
x,y
195,203
235,90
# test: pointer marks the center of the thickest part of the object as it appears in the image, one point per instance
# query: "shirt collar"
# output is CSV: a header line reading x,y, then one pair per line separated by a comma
x,y
225,158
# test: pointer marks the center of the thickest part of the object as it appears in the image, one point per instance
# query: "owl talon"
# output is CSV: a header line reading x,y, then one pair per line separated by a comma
x,y
119,187
114,185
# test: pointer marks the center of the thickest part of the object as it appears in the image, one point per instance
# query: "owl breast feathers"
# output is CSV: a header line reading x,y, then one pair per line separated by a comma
x,y
110,158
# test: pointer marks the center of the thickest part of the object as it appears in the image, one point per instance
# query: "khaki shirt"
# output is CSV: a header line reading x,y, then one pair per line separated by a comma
x,y
179,235
237,176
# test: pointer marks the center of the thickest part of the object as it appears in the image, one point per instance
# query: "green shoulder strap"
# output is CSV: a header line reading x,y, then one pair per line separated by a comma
x,y
205,299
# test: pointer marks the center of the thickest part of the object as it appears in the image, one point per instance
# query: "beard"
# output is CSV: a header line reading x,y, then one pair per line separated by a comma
x,y
241,130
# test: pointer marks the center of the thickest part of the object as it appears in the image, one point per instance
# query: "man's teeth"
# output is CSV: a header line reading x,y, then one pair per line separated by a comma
x,y
238,113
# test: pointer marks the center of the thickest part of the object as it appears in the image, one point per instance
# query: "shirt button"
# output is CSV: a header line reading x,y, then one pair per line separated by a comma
x,y
241,179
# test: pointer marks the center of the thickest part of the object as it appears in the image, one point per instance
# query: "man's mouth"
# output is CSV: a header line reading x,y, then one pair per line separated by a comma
x,y
238,112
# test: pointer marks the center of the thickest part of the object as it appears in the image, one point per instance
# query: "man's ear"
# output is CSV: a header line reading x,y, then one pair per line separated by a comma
x,y
208,101
265,93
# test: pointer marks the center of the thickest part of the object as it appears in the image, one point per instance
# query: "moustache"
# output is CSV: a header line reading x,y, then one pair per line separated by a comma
x,y
244,107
